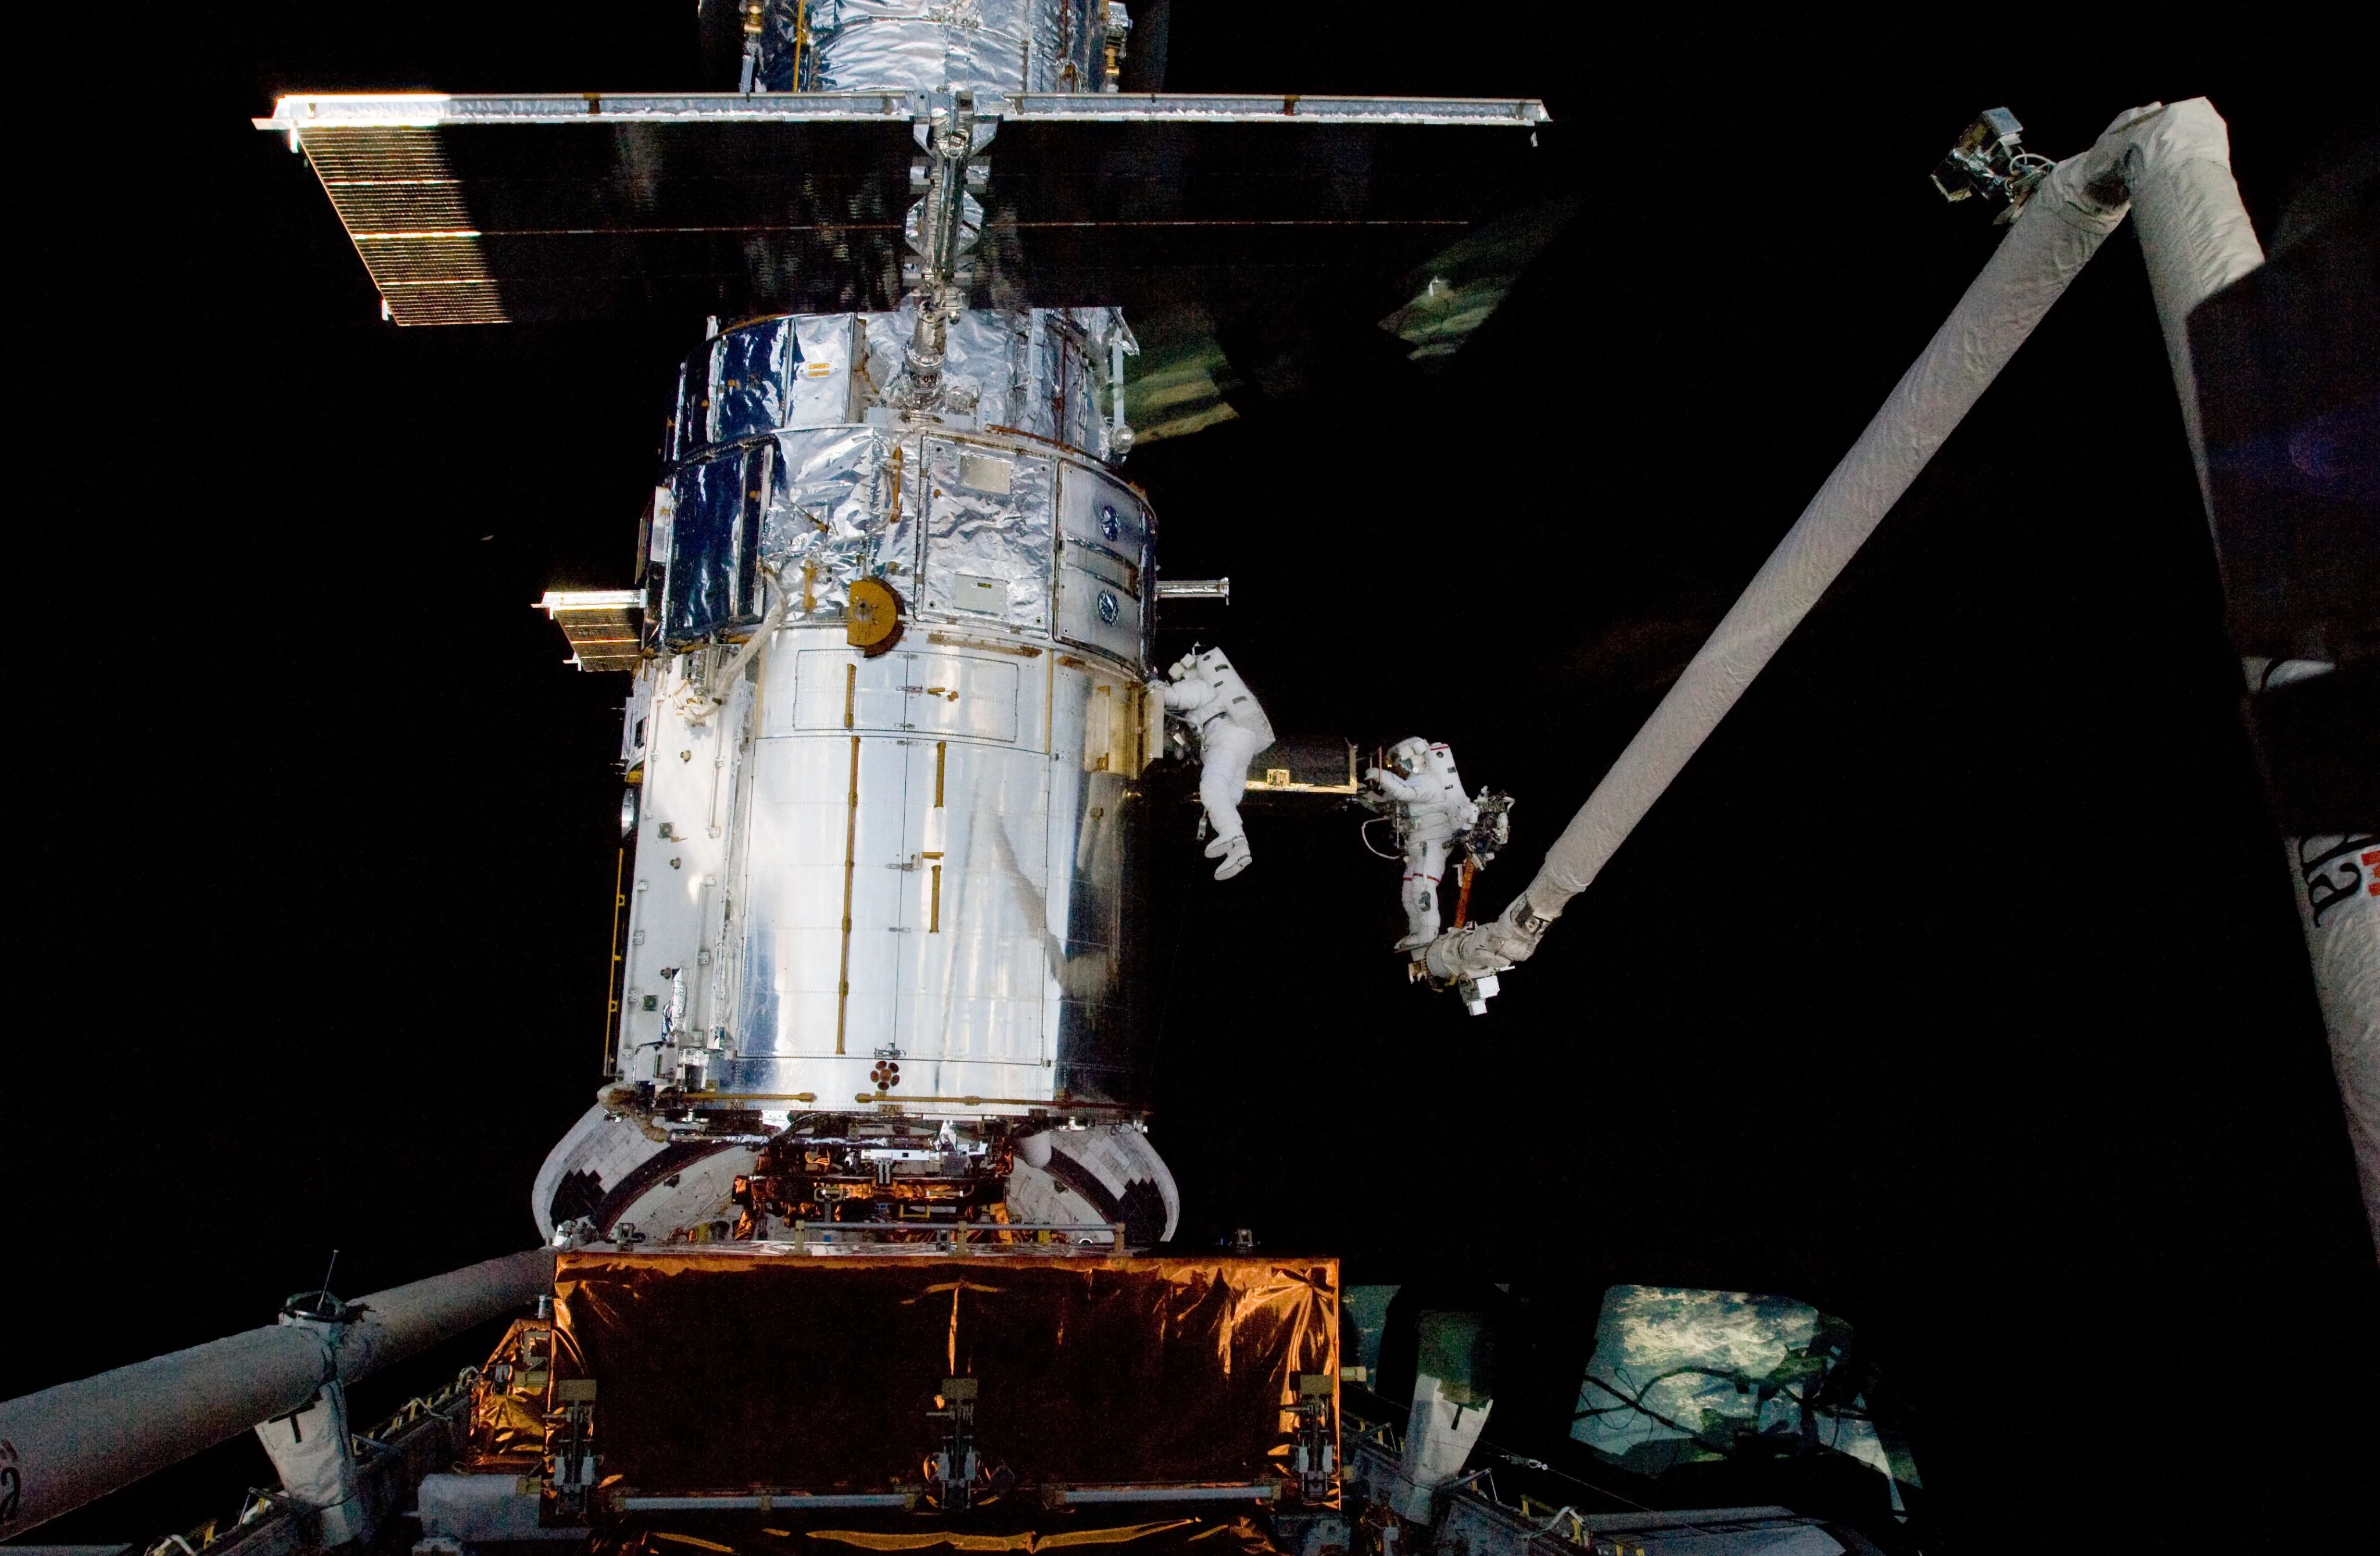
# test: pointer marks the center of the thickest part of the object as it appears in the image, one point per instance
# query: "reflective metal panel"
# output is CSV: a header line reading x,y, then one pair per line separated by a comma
x,y
835,688
1044,372
987,532
748,374
977,987
988,363
826,520
1096,608
945,857
824,820
1097,896
931,46
961,694
715,544
1100,512
820,388
1102,565
932,868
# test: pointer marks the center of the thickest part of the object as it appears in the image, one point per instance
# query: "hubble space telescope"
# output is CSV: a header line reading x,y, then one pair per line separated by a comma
x,y
880,961
870,1149
880,1003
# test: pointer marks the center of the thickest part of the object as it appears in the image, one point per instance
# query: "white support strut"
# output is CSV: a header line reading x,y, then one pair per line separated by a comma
x,y
79,1440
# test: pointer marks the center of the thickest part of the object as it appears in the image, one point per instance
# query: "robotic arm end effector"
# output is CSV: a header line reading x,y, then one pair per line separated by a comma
x,y
1467,960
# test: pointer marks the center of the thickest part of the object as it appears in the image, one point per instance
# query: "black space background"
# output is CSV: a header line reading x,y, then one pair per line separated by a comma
x,y
1956,988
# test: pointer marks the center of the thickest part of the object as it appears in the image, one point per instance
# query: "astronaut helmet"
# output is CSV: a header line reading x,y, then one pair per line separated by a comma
x,y
1183,668
1407,756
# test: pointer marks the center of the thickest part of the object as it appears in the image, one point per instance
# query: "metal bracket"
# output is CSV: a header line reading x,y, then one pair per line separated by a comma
x,y
955,1462
1314,1457
942,229
573,1472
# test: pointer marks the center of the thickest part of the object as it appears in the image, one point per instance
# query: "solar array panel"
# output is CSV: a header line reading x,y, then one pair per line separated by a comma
x,y
488,210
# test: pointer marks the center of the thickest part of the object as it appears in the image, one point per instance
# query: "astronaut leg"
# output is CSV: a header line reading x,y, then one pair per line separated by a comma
x,y
1222,780
1424,863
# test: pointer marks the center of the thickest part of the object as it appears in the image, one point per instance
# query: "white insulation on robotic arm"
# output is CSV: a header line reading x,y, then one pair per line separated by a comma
x,y
2196,239
2172,165
2061,226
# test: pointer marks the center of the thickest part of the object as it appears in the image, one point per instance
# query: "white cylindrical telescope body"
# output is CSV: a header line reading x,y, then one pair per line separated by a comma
x,y
889,877
905,876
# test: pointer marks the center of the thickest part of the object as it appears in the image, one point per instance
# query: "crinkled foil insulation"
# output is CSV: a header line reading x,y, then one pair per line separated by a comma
x,y
507,1430
734,1372
776,467
928,45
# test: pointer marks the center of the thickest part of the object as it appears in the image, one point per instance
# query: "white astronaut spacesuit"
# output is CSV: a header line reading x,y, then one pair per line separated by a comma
x,y
1431,808
1206,693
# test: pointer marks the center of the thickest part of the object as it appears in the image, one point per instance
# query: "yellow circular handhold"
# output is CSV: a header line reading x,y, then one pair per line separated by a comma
x,y
875,618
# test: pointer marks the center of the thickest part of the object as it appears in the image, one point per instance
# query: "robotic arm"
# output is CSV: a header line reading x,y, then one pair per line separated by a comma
x,y
2174,160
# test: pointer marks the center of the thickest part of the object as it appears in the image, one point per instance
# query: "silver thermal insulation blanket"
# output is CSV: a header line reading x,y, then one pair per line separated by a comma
x,y
779,467
972,46
1041,372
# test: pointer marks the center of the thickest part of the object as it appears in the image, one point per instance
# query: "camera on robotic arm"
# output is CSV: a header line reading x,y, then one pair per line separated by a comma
x,y
1990,160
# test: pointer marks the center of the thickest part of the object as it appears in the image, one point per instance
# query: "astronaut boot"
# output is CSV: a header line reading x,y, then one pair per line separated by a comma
x,y
1219,847
1235,855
